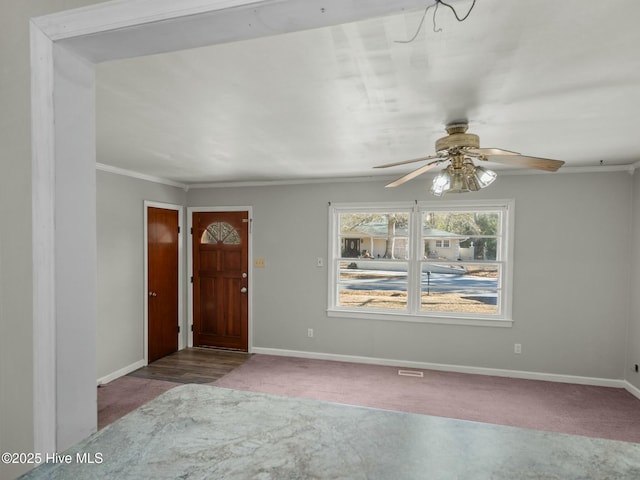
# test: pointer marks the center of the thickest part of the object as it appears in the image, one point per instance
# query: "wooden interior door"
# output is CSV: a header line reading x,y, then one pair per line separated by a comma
x,y
162,275
220,279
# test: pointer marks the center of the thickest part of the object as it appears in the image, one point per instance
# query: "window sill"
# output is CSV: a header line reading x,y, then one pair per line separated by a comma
x,y
406,317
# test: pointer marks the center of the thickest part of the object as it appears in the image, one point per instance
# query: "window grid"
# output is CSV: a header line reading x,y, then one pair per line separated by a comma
x,y
415,264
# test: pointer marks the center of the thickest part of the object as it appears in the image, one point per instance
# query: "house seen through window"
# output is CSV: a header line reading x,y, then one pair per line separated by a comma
x,y
422,261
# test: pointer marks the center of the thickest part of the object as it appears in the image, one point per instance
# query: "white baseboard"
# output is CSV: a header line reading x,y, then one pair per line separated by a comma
x,y
632,389
548,377
122,372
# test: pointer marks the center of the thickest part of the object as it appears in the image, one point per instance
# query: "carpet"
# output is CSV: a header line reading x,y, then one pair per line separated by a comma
x,y
603,412
205,432
125,394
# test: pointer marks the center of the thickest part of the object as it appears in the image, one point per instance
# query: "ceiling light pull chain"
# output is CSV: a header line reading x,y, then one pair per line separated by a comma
x,y
435,10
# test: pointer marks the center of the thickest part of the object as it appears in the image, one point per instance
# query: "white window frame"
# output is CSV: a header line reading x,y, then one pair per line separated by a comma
x,y
413,312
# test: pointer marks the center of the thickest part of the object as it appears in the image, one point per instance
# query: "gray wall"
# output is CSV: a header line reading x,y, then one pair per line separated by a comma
x,y
120,228
571,276
574,322
16,332
633,339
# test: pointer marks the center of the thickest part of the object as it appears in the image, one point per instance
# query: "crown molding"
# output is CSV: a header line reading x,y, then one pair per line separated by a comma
x,y
630,168
297,181
140,176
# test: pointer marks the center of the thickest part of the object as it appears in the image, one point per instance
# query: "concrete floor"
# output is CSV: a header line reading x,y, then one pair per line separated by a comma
x,y
205,432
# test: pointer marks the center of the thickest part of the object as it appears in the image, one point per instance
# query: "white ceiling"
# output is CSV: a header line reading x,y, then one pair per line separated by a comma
x,y
546,78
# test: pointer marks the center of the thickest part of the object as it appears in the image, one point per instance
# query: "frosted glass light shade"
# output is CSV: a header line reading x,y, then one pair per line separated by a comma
x,y
441,183
467,178
484,177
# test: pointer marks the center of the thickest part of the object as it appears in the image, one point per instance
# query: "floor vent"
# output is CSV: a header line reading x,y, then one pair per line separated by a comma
x,y
410,373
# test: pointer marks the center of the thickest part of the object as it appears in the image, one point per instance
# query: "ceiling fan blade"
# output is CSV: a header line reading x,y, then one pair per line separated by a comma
x,y
527,162
415,173
490,151
404,162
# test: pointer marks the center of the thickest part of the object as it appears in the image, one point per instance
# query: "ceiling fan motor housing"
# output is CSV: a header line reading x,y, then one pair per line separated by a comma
x,y
457,138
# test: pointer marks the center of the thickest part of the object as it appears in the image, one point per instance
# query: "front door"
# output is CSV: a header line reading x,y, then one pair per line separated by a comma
x,y
162,275
220,279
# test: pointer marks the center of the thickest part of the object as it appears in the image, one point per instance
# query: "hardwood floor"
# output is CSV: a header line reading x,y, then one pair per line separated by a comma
x,y
193,365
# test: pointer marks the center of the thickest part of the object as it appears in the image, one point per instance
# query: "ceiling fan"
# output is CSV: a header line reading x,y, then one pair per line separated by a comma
x,y
462,175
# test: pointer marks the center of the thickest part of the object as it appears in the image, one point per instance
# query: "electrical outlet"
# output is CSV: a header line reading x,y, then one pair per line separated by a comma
x,y
310,332
259,263
517,348
319,262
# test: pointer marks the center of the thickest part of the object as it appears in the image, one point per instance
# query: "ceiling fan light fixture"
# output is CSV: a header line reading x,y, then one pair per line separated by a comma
x,y
465,178
484,176
459,183
441,183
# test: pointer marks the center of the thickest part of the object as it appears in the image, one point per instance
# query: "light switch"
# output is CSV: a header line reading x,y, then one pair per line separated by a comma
x,y
259,263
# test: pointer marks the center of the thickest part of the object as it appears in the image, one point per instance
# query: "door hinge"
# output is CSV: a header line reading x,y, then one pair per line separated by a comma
x,y
192,327
191,279
191,231
178,228
178,328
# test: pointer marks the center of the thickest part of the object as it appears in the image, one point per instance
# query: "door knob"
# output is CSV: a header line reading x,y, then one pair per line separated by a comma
x,y
243,289
153,294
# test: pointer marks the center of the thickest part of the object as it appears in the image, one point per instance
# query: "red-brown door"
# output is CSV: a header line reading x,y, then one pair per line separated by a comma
x,y
220,280
162,274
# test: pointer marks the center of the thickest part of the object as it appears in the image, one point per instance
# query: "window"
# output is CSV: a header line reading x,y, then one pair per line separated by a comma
x,y
433,261
375,277
220,232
